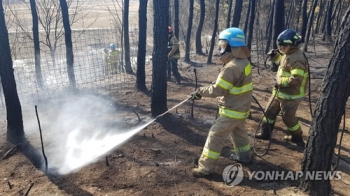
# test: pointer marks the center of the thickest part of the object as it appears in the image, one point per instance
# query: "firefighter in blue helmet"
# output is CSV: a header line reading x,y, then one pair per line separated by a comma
x,y
234,88
113,61
289,88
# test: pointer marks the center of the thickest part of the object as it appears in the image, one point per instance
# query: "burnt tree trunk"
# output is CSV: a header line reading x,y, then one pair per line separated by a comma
x,y
15,132
328,31
69,44
176,20
199,45
327,116
215,29
38,74
303,19
278,20
159,57
268,32
229,14
188,34
237,13
141,53
309,24
128,68
251,24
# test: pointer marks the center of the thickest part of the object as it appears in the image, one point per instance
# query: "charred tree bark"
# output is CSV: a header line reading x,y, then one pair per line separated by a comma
x,y
328,32
237,13
128,68
199,45
141,54
215,29
309,24
251,24
15,131
278,20
245,28
159,58
268,32
176,20
69,44
327,116
303,19
229,14
38,74
188,34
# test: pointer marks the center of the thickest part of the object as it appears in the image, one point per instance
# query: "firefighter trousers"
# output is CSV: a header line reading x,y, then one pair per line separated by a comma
x,y
172,67
288,110
220,130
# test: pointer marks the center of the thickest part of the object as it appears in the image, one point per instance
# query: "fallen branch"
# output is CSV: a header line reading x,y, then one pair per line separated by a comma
x,y
30,187
137,115
8,183
10,152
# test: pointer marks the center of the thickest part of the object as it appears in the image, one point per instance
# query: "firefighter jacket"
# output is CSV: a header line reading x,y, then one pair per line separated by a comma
x,y
113,56
234,88
292,75
173,47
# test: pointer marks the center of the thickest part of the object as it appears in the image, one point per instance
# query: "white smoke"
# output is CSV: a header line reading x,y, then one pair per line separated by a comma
x,y
80,131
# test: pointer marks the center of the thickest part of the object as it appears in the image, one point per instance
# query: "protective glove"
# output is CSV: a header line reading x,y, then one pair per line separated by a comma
x,y
169,56
273,53
195,96
274,67
276,85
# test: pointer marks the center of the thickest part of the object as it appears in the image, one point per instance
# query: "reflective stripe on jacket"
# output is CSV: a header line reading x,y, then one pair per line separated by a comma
x,y
292,76
114,56
234,88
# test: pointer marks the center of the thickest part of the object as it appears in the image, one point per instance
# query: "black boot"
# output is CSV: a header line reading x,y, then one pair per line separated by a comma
x,y
265,133
297,139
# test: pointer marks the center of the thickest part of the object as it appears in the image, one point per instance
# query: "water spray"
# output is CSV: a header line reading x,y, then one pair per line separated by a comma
x,y
80,152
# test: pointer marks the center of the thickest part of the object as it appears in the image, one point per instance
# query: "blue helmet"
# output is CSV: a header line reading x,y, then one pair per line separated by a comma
x,y
288,37
112,46
234,36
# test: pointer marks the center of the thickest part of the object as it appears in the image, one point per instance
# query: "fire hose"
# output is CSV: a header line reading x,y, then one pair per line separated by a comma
x,y
177,105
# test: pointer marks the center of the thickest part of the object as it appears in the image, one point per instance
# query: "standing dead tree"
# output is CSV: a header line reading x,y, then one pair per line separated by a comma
x,y
330,107
15,130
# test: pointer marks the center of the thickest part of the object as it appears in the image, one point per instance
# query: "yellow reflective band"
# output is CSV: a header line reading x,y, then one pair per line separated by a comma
x,y
211,154
240,36
277,61
284,81
233,114
299,72
286,96
241,90
223,84
282,73
245,148
248,69
271,121
287,41
296,127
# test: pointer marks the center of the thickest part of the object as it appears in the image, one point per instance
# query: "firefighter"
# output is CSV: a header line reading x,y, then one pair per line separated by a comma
x,y
173,55
234,88
114,66
105,60
289,88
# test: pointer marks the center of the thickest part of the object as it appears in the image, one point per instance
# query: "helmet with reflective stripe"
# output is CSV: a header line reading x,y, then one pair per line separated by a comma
x,y
112,46
288,37
234,36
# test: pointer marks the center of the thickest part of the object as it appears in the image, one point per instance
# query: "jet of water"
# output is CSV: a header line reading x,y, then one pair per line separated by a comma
x,y
81,153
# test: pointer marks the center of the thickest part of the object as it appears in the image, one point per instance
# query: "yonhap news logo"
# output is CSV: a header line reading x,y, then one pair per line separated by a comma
x,y
233,175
